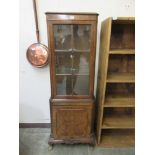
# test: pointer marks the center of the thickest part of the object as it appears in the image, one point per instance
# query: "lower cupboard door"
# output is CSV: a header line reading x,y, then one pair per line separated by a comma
x,y
71,122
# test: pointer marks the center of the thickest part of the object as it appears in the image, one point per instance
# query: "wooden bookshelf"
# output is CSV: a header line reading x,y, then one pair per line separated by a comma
x,y
116,84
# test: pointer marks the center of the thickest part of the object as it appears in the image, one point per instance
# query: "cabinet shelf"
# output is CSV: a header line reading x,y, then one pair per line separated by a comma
x,y
116,121
120,78
72,74
117,138
63,74
62,50
122,51
71,50
119,101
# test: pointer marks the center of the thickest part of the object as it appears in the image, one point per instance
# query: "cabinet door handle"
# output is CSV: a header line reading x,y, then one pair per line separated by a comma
x,y
70,50
71,56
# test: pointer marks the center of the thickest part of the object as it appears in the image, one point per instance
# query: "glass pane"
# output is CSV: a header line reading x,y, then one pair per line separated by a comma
x,y
81,37
62,36
72,54
81,63
64,84
81,85
63,62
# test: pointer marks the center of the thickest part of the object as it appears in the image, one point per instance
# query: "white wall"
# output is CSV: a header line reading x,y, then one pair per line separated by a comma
x,y
34,82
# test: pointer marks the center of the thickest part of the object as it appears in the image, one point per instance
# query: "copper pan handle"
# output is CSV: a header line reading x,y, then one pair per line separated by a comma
x,y
36,20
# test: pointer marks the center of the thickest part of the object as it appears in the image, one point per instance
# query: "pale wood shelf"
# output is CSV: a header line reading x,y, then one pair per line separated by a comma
x,y
118,121
117,139
119,101
121,78
122,51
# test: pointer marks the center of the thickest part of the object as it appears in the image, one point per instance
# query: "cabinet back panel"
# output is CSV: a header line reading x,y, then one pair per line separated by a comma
x,y
119,111
121,63
120,88
118,132
122,36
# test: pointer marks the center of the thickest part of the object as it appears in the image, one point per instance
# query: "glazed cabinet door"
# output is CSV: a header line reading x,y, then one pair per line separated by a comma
x,y
71,122
72,61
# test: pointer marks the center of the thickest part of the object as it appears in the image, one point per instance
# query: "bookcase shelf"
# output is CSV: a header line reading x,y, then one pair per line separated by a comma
x,y
117,138
118,122
116,84
119,101
122,51
121,78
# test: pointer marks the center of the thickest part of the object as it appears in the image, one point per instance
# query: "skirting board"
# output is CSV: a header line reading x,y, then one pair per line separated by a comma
x,y
34,125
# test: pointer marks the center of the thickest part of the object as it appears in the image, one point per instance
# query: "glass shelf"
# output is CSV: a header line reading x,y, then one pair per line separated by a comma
x,y
72,50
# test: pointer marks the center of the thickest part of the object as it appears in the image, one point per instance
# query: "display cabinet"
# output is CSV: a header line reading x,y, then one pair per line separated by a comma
x,y
72,45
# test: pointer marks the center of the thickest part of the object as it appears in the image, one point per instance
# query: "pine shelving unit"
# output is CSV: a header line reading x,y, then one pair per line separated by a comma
x,y
116,83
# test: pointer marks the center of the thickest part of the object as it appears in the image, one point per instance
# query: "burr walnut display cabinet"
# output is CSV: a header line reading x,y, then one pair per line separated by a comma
x,y
116,83
72,48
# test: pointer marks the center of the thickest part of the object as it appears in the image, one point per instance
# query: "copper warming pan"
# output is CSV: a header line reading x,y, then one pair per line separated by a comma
x,y
37,53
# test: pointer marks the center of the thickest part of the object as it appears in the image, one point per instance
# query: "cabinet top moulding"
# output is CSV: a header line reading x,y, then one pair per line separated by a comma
x,y
71,16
